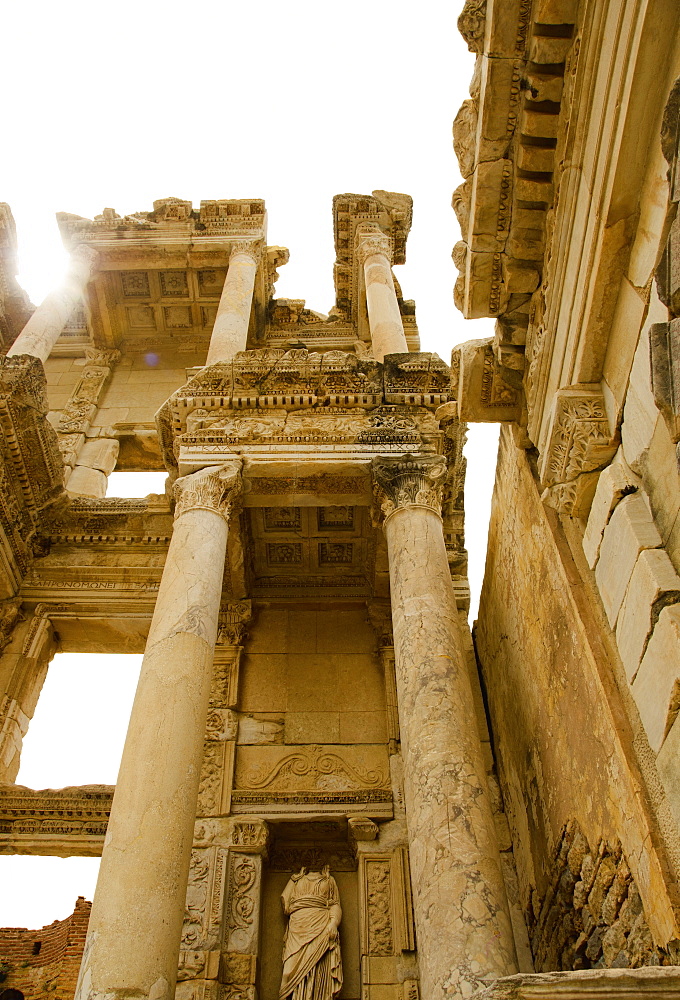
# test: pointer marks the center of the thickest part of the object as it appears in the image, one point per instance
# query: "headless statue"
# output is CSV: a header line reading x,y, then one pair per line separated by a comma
x,y
312,966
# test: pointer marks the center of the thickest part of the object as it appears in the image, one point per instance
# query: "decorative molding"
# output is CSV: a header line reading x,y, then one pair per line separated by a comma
x,y
215,489
408,480
66,821
39,622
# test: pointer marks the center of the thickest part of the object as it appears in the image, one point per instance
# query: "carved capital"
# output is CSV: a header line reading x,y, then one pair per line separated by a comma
x,y
85,255
373,242
214,489
252,248
409,481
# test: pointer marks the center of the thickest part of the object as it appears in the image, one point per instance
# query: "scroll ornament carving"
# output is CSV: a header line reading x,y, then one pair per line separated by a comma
x,y
242,904
315,762
373,242
379,908
215,489
409,480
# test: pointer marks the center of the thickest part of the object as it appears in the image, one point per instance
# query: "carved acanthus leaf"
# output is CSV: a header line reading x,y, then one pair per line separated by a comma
x,y
215,489
373,242
409,480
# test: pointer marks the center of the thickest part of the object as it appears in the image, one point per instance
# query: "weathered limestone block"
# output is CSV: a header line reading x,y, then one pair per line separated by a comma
x,y
86,482
631,529
654,584
664,352
640,413
614,484
667,766
656,689
484,395
99,453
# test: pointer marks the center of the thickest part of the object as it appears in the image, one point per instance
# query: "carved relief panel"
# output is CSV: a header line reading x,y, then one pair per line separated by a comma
x,y
388,962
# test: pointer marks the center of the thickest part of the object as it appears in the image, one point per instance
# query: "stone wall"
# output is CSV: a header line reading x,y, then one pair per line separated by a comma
x,y
592,914
45,963
567,741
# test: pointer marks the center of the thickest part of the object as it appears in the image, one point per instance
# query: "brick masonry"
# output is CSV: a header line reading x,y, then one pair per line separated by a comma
x,y
44,963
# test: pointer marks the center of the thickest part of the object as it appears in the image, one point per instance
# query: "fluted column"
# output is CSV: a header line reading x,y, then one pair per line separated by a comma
x,y
134,932
45,326
384,318
230,331
462,924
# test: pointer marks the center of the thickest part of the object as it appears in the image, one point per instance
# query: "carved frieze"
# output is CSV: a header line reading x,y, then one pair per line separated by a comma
x,y
63,822
270,779
505,139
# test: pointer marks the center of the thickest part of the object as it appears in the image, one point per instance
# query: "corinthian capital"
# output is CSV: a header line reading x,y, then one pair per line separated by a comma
x,y
85,255
251,247
409,481
370,242
215,489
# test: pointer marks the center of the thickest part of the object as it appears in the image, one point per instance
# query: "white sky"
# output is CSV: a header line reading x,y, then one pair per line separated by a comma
x,y
120,104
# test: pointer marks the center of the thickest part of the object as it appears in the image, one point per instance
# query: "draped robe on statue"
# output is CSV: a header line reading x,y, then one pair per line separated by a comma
x,y
312,968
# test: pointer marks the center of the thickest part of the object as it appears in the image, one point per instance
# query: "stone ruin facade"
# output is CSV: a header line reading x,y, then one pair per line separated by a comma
x,y
499,812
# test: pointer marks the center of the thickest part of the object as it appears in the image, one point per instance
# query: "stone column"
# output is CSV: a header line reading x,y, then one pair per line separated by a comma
x,y
384,319
462,924
230,332
44,327
134,934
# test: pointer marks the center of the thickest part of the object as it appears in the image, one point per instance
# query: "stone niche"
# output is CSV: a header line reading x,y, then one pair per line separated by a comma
x,y
312,845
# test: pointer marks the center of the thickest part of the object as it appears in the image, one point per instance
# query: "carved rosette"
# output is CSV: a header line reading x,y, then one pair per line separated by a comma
x,y
251,248
370,243
215,489
409,481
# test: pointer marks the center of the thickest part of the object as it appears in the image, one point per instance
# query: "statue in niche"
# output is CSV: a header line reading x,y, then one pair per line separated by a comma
x,y
312,965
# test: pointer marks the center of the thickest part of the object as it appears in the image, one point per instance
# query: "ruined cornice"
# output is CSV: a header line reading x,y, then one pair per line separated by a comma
x,y
505,137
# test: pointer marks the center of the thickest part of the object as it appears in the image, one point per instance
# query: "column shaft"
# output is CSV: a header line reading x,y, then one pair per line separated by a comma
x,y
44,327
384,317
230,331
135,926
464,934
